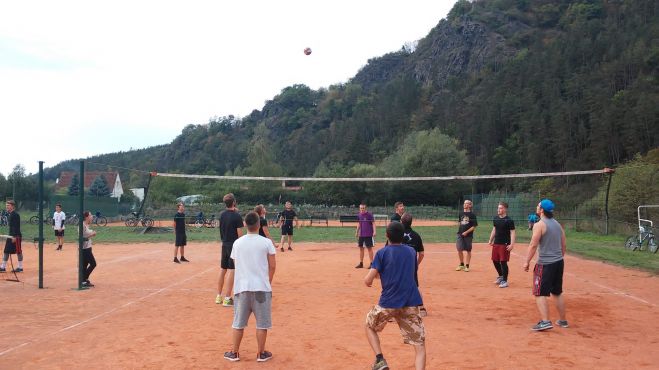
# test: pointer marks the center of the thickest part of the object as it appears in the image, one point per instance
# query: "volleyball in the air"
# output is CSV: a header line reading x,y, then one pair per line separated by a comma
x,y
307,51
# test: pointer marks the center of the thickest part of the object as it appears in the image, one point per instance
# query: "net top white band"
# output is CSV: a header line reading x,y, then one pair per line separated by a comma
x,y
366,179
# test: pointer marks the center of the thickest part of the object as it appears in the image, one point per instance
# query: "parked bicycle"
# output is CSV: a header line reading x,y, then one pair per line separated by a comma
x,y
207,222
34,220
638,242
134,219
73,220
99,220
4,220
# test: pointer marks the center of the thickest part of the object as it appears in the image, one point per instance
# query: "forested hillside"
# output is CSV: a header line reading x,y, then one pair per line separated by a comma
x,y
499,86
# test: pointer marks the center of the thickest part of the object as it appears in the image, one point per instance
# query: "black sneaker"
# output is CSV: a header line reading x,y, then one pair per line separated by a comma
x,y
232,356
17,270
360,265
562,323
183,259
282,249
263,356
542,325
87,284
2,269
290,249
176,260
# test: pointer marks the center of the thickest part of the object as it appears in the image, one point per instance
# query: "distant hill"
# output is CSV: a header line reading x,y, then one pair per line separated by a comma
x,y
518,85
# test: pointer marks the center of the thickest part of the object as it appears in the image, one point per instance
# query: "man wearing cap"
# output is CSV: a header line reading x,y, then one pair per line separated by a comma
x,y
549,239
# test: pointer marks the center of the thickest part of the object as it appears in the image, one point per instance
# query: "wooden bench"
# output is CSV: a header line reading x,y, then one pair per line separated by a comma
x,y
348,218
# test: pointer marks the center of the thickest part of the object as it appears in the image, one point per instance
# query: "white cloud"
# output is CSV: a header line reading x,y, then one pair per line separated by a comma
x,y
73,70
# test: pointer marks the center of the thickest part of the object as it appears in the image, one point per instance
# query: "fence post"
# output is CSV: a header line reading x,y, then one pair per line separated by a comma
x,y
576,218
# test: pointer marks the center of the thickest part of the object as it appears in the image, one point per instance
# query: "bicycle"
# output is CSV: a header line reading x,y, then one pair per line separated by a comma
x,y
637,242
207,222
34,220
99,220
73,220
134,219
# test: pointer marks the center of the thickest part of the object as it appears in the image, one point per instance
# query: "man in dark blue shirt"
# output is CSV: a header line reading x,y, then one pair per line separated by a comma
x,y
395,265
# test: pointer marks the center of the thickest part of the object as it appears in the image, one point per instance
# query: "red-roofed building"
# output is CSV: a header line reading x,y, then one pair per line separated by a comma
x,y
112,178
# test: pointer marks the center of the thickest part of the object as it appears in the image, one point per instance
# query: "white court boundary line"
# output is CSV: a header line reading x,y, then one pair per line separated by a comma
x,y
106,313
73,269
611,290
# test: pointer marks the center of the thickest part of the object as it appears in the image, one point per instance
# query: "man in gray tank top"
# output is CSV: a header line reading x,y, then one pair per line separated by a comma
x,y
549,240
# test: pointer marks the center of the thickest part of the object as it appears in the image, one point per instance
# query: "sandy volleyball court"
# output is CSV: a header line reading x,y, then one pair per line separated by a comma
x,y
148,313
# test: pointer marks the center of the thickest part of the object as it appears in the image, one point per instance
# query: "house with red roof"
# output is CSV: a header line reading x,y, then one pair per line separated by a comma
x,y
112,179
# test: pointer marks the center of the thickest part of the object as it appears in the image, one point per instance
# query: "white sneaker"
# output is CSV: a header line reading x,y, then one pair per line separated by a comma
x,y
504,284
498,280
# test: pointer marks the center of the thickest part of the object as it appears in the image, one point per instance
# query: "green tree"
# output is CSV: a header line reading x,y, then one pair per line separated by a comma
x,y
74,188
99,187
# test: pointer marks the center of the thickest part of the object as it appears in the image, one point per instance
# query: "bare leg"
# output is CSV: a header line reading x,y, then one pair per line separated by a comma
x,y
290,240
560,305
420,357
461,256
220,281
261,335
370,254
281,243
182,252
175,251
229,289
541,302
361,255
468,257
237,338
373,340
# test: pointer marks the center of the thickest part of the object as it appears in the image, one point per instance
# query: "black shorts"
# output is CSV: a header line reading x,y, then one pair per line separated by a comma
x,y
365,240
59,232
464,243
13,247
181,240
225,261
286,229
548,279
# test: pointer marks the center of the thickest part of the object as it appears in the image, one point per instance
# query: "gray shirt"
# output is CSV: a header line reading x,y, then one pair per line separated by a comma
x,y
550,249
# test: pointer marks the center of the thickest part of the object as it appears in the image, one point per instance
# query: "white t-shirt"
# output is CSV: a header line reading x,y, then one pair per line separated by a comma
x,y
250,253
58,218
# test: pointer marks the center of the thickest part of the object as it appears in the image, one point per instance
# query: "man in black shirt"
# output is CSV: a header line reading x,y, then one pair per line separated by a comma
x,y
399,208
502,240
467,224
179,231
413,239
13,246
231,224
286,217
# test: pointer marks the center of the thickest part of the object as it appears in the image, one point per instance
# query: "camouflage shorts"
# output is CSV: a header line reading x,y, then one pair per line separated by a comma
x,y
408,319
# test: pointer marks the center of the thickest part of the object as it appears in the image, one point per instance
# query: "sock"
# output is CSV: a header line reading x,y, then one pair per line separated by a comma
x,y
379,357
462,264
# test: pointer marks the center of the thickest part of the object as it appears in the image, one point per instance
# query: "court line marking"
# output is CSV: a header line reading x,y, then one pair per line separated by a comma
x,y
106,313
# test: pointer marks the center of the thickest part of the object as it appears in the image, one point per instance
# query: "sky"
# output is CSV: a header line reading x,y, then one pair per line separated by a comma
x,y
80,78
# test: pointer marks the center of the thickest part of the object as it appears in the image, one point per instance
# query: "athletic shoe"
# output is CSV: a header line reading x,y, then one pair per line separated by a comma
x,y
263,356
2,269
460,268
17,270
370,265
218,299
176,260
360,265
542,325
183,259
290,249
282,249
380,365
423,312
87,284
562,323
466,269
227,302
504,284
498,280
232,356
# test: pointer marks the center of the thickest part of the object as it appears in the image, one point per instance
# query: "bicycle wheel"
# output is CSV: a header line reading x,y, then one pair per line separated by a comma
x,y
198,224
101,221
131,222
215,223
631,243
652,245
147,222
34,220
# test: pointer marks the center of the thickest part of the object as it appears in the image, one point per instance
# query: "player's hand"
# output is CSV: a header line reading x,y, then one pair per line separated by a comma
x,y
491,243
526,266
510,247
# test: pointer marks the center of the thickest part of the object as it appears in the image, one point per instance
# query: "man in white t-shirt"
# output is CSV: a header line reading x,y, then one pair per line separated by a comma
x,y
254,260
58,225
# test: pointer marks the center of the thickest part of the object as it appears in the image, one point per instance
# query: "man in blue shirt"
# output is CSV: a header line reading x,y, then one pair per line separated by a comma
x,y
395,265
